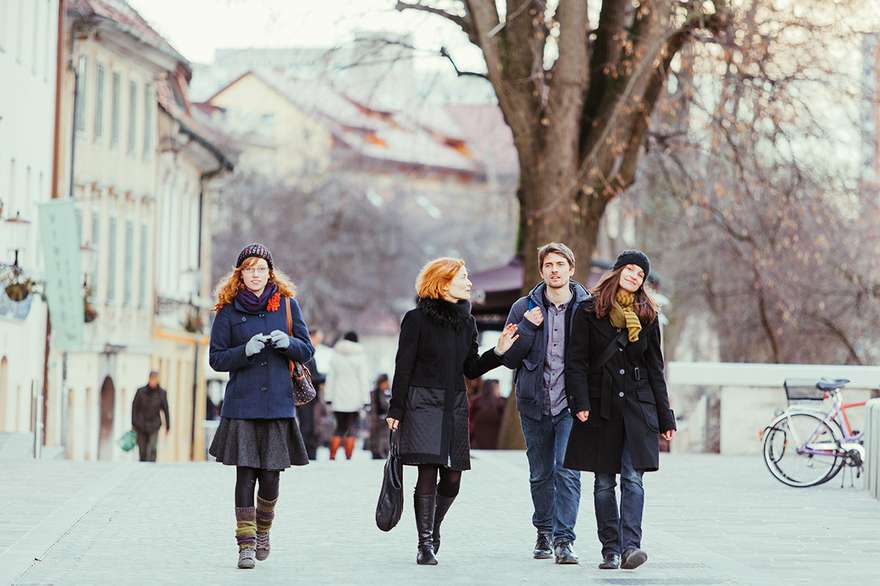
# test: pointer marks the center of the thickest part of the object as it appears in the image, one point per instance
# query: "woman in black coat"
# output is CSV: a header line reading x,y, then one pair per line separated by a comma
x,y
437,349
615,385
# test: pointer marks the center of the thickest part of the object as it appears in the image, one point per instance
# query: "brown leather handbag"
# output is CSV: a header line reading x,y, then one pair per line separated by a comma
x,y
303,389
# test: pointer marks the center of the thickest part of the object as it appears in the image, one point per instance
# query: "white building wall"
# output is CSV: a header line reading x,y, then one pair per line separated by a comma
x,y
27,64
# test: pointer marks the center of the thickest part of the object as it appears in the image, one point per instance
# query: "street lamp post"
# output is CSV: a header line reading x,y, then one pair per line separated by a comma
x,y
191,280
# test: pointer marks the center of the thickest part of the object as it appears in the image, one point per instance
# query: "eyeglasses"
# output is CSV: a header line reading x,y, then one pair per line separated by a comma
x,y
257,270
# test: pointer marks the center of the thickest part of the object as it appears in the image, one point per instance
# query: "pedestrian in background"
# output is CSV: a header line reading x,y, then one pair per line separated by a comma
x,y
308,415
615,378
486,412
346,391
543,319
258,432
380,398
437,349
149,401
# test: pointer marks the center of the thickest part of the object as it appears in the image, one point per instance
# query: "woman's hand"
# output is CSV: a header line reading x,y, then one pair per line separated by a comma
x,y
392,423
667,435
508,337
255,345
280,340
582,416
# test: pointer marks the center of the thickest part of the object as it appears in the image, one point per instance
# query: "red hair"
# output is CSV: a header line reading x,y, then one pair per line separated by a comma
x,y
229,285
433,281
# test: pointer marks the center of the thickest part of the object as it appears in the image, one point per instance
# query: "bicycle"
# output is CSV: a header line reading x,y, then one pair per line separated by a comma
x,y
808,446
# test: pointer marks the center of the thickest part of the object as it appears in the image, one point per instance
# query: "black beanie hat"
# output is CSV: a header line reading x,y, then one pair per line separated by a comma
x,y
634,257
255,249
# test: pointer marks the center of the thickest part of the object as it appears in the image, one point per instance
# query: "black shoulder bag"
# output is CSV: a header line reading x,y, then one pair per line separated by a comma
x,y
390,505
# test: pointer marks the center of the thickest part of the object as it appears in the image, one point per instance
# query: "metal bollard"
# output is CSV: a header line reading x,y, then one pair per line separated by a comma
x,y
872,447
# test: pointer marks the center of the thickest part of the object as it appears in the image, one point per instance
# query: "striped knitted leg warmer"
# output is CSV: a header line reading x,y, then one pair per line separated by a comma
x,y
265,515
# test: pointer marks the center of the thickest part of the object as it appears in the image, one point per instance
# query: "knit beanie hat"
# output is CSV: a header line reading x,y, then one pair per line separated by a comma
x,y
634,257
255,249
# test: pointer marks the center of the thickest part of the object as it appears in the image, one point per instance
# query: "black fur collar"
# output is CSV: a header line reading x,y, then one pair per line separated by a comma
x,y
444,313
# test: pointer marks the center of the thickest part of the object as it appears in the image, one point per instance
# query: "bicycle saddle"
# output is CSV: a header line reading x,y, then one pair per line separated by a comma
x,y
828,384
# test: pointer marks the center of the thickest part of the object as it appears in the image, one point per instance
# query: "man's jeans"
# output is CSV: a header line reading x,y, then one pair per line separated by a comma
x,y
556,491
147,444
623,532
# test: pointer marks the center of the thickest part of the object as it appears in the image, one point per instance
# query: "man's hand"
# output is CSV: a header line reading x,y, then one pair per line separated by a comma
x,y
582,416
667,435
535,315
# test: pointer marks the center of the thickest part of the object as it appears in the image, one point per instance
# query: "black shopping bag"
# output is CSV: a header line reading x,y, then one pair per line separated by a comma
x,y
390,504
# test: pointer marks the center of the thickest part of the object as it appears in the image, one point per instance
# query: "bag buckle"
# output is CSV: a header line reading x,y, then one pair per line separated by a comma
x,y
637,374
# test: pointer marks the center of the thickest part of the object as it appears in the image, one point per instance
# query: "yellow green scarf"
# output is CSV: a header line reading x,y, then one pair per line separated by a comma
x,y
622,314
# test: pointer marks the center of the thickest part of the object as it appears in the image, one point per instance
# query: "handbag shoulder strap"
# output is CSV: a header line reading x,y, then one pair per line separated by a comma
x,y
621,339
290,363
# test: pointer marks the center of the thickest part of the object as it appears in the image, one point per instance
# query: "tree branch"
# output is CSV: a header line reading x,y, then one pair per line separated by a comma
x,y
462,21
445,53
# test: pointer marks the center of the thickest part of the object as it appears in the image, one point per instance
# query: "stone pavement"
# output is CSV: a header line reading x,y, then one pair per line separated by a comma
x,y
709,520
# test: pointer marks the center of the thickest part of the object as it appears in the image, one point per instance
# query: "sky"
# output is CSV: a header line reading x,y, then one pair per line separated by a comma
x,y
197,27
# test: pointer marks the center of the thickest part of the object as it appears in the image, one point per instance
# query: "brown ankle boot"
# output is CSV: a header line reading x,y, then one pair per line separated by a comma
x,y
349,446
334,446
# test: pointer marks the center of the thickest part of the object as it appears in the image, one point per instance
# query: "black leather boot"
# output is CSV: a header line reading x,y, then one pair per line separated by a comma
x,y
443,504
424,507
543,550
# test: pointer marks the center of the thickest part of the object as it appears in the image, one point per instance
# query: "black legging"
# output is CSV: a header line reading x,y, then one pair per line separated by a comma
x,y
450,481
246,480
345,422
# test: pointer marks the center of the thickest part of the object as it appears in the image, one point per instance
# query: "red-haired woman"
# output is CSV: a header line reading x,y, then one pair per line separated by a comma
x,y
437,350
258,433
614,378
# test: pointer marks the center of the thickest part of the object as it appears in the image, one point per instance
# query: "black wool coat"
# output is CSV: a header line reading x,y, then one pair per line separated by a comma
x,y
437,350
626,396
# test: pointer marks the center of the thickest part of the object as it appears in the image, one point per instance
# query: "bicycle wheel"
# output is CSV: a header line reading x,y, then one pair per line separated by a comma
x,y
801,449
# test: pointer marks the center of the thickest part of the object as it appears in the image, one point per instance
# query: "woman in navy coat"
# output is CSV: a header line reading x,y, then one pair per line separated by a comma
x,y
258,433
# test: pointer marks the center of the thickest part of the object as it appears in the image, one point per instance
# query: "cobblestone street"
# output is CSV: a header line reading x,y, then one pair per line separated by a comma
x,y
709,520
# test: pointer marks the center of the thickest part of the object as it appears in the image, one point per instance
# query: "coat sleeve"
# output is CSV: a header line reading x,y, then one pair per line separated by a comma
x,y
330,381
222,356
166,411
527,331
476,365
364,380
577,364
654,363
404,363
136,411
300,348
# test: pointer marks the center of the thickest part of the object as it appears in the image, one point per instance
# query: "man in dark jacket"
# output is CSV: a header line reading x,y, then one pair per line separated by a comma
x,y
543,320
145,420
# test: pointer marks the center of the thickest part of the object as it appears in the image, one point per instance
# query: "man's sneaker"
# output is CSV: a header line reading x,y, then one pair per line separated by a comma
x,y
632,559
543,551
610,562
564,553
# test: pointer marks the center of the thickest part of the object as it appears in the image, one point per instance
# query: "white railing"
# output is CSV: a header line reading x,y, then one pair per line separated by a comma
x,y
750,394
872,447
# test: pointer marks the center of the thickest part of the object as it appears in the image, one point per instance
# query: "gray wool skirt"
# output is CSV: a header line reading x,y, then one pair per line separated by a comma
x,y
267,444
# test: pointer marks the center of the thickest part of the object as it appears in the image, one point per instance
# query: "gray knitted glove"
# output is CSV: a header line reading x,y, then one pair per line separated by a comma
x,y
255,345
280,340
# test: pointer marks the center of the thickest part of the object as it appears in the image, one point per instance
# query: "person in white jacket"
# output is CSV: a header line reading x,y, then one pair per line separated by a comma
x,y
346,390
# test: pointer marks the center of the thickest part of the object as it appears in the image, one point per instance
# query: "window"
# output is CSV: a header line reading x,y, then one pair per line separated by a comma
x,y
96,238
35,38
148,120
132,116
142,268
129,264
19,31
111,261
81,73
79,225
99,102
49,38
114,110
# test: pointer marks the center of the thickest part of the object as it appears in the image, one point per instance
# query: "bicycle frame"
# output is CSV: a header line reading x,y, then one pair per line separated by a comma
x,y
837,415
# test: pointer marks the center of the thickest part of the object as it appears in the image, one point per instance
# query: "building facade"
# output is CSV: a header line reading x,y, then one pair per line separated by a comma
x,y
28,29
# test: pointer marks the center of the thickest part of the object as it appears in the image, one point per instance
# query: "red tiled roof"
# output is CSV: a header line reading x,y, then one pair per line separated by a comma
x,y
128,20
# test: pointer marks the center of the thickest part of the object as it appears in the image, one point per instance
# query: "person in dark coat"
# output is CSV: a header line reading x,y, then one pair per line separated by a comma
x,y
258,432
614,377
436,351
307,415
543,319
149,401
380,398
485,413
